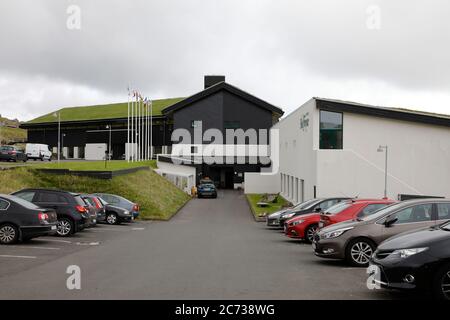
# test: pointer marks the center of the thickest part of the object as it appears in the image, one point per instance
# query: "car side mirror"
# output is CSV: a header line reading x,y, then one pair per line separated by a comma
x,y
390,221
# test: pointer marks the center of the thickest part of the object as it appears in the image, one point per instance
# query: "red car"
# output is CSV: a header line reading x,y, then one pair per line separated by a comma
x,y
304,227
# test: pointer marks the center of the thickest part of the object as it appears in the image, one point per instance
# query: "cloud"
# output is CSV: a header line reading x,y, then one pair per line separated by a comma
x,y
284,51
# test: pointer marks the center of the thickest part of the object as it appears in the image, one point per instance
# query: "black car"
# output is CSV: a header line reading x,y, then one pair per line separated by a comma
x,y
206,190
114,214
319,205
72,211
11,153
416,260
22,220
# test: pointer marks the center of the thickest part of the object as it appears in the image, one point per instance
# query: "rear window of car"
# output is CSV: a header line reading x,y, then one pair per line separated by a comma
x,y
79,201
4,204
89,201
338,208
51,197
25,203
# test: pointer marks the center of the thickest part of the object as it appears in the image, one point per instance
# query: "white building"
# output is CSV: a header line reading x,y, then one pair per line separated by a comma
x,y
330,148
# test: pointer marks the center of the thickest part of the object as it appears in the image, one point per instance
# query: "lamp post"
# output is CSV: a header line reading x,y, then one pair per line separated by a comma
x,y
385,149
62,144
109,144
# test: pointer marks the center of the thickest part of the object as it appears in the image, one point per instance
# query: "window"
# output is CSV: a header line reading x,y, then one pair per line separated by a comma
x,y
420,213
51,197
4,204
26,195
327,204
232,125
371,208
443,211
194,149
196,123
331,129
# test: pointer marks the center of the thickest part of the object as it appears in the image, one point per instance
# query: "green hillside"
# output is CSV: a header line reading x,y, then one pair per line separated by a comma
x,y
10,134
105,111
159,199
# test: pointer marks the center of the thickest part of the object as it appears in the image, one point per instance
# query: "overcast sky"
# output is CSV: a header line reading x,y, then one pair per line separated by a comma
x,y
388,53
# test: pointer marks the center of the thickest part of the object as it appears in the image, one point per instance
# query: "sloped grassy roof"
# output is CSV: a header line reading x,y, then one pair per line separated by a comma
x,y
104,111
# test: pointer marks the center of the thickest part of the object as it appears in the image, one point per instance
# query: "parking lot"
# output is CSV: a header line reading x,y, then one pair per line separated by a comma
x,y
212,249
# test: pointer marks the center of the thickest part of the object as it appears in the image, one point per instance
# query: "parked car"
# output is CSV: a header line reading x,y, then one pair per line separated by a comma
x,y
305,226
120,202
205,190
38,151
22,220
95,202
92,208
355,241
350,210
114,214
417,260
273,220
71,210
12,153
318,205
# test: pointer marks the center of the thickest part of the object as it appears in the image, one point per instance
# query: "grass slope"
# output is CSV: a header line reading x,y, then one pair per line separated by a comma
x,y
159,199
253,199
8,134
105,111
95,165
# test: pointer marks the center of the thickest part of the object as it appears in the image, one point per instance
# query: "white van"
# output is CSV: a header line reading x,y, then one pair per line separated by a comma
x,y
38,151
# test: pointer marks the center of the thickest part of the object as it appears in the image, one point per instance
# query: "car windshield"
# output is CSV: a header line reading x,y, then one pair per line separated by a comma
x,y
338,208
380,213
24,203
446,226
306,204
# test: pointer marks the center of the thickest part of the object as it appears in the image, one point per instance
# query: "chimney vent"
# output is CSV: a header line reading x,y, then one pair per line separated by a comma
x,y
212,80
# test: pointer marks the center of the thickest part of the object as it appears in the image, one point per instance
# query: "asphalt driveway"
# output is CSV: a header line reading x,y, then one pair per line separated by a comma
x,y
212,249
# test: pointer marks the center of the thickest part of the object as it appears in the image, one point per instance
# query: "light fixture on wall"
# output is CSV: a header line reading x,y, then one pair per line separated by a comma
x,y
384,149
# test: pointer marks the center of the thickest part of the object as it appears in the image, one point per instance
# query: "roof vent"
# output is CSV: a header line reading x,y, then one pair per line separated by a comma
x,y
212,80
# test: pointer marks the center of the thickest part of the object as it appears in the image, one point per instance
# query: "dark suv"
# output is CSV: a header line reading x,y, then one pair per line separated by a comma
x,y
71,210
11,153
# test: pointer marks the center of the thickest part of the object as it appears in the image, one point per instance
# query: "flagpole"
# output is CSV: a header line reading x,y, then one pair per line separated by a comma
x,y
59,135
145,129
139,129
132,129
127,151
148,129
151,130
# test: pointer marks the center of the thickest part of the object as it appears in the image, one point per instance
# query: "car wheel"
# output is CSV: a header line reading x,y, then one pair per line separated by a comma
x,y
310,232
8,234
64,228
441,283
111,218
359,251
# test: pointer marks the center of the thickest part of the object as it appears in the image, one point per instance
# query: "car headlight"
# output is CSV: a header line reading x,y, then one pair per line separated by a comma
x,y
126,212
405,253
335,234
288,215
296,223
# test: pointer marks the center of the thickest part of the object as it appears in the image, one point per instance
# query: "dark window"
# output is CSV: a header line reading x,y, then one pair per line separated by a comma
x,y
4,204
443,211
51,197
331,128
232,125
196,123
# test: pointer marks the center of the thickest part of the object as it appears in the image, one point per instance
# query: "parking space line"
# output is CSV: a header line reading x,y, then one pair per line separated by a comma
x,y
52,240
20,257
29,247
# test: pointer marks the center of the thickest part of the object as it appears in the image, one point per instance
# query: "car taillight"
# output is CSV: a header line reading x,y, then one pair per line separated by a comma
x,y
43,216
12,152
97,203
80,209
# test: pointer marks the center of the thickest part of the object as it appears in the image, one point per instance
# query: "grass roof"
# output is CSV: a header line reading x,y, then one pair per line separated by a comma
x,y
104,111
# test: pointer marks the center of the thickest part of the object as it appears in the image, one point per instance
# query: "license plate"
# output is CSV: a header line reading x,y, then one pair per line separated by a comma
x,y
53,227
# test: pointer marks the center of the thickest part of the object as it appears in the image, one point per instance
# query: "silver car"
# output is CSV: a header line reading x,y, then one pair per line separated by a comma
x,y
355,241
